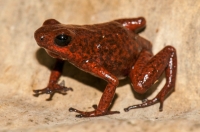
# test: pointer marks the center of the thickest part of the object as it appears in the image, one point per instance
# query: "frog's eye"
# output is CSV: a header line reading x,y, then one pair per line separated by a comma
x,y
62,40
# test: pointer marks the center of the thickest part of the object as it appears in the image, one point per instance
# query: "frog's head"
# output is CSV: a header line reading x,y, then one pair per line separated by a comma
x,y
54,37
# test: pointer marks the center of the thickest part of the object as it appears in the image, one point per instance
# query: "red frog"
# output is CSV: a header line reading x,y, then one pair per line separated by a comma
x,y
110,51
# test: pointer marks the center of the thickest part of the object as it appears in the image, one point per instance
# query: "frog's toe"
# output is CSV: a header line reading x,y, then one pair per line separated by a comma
x,y
81,113
65,89
75,110
42,91
60,90
92,113
145,103
52,89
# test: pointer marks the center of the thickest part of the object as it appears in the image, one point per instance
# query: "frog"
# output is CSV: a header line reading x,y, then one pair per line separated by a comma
x,y
110,51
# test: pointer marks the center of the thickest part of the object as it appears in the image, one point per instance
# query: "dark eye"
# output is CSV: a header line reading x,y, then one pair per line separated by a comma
x,y
62,40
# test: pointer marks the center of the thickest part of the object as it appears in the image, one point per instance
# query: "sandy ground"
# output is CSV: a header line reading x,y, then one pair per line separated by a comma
x,y
24,67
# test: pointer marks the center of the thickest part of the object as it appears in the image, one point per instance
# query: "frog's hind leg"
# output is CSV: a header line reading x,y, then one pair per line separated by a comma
x,y
134,24
148,69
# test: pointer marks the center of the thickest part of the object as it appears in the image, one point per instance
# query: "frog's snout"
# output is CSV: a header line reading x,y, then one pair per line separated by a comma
x,y
39,37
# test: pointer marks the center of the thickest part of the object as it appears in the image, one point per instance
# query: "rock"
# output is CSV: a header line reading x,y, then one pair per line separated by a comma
x,y
24,67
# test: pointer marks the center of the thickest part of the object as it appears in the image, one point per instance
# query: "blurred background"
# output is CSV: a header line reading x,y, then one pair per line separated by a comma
x,y
25,66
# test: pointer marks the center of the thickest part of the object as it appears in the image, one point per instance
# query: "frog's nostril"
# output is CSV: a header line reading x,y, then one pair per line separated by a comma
x,y
42,38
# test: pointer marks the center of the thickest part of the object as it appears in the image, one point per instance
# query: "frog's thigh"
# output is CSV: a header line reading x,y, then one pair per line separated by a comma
x,y
148,68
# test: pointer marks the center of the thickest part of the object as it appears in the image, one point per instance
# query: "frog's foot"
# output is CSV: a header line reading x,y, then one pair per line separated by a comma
x,y
52,89
94,113
145,103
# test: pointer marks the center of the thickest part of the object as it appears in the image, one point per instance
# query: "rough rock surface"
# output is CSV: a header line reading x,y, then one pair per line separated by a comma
x,y
24,67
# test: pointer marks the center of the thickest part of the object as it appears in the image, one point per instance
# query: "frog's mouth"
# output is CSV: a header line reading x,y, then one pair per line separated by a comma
x,y
52,54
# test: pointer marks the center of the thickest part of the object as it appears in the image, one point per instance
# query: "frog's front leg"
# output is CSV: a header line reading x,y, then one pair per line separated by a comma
x,y
53,86
108,94
148,69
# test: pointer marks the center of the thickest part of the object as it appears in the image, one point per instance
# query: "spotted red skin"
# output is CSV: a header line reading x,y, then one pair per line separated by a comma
x,y
111,51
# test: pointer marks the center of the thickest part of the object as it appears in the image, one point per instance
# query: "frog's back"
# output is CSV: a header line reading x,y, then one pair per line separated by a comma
x,y
110,45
